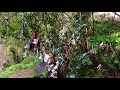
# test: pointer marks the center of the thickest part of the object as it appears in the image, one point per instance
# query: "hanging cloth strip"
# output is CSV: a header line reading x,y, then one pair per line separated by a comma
x,y
25,53
46,58
35,41
35,35
23,28
41,67
54,51
62,60
71,76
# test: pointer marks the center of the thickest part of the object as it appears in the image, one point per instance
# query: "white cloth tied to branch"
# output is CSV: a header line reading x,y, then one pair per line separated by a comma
x,y
85,54
73,41
46,57
27,46
62,32
99,66
35,41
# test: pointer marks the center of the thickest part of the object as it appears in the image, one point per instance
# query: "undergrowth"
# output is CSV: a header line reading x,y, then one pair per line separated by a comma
x,y
28,63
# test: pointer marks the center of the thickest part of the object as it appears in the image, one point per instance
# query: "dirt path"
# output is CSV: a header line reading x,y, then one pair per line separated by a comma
x,y
2,58
23,74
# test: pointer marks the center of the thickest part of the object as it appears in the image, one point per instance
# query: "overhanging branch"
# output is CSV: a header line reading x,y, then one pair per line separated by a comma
x,y
116,14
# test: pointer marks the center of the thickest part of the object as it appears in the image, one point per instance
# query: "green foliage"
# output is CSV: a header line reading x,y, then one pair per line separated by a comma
x,y
26,64
99,39
49,24
103,27
14,69
116,61
105,59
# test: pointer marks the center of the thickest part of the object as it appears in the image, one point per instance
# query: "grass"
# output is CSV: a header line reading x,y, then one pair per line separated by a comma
x,y
19,67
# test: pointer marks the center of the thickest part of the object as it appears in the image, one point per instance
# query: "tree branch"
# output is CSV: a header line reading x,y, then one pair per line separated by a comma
x,y
116,14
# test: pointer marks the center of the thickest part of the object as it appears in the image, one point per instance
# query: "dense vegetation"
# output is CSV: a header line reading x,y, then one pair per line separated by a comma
x,y
95,54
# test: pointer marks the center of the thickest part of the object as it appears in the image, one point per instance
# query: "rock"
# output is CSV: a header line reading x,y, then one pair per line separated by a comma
x,y
2,57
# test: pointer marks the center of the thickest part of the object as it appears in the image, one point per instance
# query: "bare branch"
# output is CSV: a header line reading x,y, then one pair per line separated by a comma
x,y
116,14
